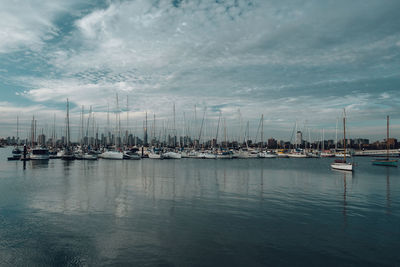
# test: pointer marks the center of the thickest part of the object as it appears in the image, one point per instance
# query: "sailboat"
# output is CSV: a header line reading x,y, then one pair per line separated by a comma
x,y
16,152
342,164
68,153
386,161
116,153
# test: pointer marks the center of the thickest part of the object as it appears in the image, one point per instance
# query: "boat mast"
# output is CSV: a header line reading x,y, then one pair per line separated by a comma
x,y
127,120
216,137
88,122
240,129
296,136
154,130
185,131
82,125
108,123
17,130
336,134
32,131
262,131
116,123
174,128
68,130
344,134
247,135
54,131
202,122
226,144
195,126
387,138
145,132
93,131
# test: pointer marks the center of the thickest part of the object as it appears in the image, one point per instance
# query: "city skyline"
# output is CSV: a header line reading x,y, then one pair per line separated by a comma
x,y
302,61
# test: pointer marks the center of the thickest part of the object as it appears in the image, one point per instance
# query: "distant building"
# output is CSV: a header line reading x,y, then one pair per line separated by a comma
x,y
272,143
42,140
393,143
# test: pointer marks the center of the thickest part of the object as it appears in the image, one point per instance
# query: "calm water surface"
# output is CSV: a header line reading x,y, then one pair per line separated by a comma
x,y
259,212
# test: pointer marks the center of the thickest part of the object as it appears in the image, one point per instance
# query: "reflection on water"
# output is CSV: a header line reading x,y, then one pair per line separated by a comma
x,y
197,212
344,198
37,164
388,210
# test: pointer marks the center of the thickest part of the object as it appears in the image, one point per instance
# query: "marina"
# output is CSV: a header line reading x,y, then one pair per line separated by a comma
x,y
224,212
204,133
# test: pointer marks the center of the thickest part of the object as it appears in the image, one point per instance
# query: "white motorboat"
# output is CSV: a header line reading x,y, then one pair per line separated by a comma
x,y
224,155
68,154
297,155
89,156
341,155
327,154
112,155
131,155
267,155
154,155
171,155
283,155
16,154
253,154
192,154
243,154
39,153
185,154
205,155
209,155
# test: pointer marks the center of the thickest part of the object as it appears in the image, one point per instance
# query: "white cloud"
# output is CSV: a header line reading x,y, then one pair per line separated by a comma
x,y
286,61
28,24
384,96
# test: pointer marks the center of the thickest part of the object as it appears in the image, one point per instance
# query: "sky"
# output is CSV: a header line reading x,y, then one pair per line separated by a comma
x,y
292,61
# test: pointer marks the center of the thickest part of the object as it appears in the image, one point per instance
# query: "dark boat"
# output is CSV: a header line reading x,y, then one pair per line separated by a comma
x,y
16,154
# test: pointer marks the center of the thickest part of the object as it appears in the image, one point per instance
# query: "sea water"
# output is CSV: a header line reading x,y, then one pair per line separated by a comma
x,y
194,212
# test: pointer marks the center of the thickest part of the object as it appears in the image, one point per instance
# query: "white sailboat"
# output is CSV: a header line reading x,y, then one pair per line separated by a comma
x,y
68,153
153,155
342,164
112,155
267,155
16,152
171,155
116,154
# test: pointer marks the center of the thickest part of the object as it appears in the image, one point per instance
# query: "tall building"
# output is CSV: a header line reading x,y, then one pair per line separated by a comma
x,y
272,143
42,139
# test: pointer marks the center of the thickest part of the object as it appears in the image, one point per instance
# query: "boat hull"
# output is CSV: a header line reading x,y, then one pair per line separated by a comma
x,y
14,157
383,162
112,155
154,156
132,156
171,155
298,156
265,155
342,166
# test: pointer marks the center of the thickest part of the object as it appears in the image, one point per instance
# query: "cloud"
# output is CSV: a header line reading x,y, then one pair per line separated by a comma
x,y
28,24
303,60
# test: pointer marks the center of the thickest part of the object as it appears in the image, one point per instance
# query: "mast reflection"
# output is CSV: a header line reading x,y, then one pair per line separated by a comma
x,y
388,199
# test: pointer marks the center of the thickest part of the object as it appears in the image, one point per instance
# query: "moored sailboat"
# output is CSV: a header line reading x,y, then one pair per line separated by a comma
x,y
387,161
342,164
68,153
